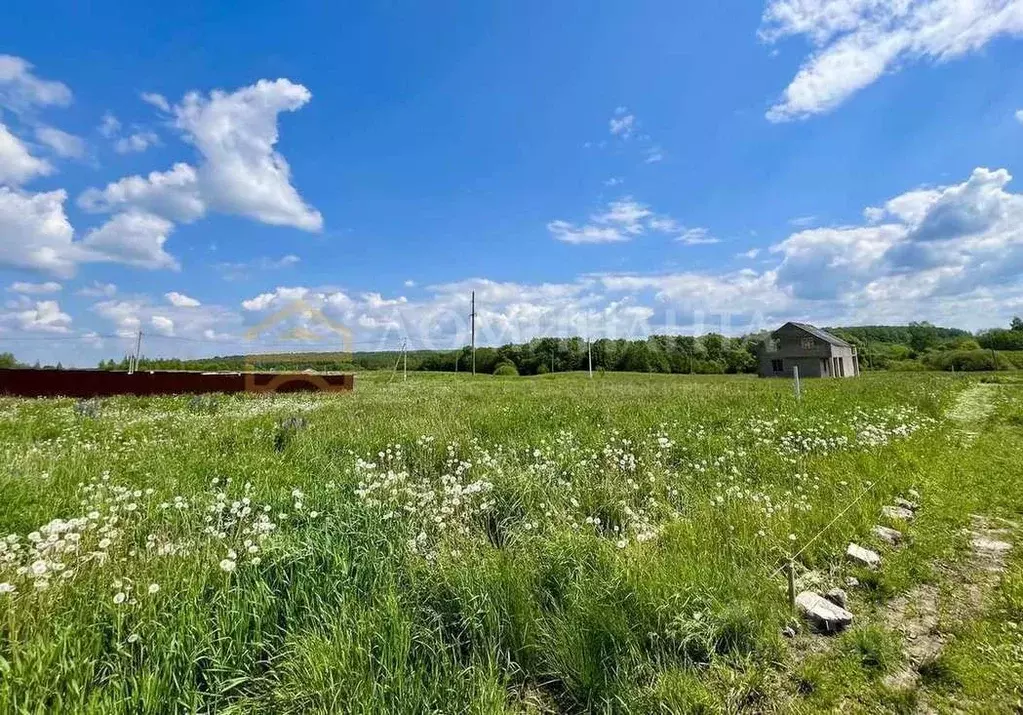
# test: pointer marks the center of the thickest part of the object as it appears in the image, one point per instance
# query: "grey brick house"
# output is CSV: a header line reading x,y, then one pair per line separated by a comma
x,y
815,352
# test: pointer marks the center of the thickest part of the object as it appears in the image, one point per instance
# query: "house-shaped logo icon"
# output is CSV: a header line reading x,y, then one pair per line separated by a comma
x,y
311,317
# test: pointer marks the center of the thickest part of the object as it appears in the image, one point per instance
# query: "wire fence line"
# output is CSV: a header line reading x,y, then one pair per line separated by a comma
x,y
810,542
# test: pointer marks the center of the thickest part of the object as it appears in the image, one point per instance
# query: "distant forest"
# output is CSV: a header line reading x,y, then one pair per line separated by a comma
x,y
917,346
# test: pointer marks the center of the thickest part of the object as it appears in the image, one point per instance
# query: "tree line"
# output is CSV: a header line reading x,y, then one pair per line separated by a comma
x,y
897,347
893,347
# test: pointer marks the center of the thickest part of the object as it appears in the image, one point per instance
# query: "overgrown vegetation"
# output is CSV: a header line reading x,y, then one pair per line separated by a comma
x,y
451,545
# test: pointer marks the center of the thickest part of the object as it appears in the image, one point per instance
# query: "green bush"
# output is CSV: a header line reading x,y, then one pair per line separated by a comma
x,y
905,366
968,360
506,369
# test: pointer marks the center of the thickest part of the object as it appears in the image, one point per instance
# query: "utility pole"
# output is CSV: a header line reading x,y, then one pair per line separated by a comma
x,y
404,356
133,363
472,316
589,357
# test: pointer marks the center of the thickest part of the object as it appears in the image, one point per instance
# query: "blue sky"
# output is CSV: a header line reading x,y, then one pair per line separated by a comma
x,y
597,168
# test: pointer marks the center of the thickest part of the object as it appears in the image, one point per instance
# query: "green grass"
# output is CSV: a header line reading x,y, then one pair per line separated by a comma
x,y
458,545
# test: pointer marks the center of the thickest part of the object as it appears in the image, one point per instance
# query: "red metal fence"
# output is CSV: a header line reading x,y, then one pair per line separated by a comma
x,y
101,383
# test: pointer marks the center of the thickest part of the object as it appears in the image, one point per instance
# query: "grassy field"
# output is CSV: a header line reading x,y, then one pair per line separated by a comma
x,y
452,545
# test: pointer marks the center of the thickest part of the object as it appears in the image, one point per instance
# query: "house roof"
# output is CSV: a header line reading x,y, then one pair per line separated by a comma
x,y
819,334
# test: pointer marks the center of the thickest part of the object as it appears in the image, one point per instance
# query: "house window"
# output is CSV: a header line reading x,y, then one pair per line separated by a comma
x,y
808,343
776,366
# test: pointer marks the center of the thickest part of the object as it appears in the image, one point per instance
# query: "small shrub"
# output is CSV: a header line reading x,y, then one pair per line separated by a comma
x,y
203,404
876,648
905,366
681,691
506,369
939,672
88,408
968,360
286,431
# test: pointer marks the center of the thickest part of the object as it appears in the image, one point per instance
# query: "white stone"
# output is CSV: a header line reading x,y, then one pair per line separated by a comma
x,y
864,556
906,504
837,596
991,545
897,512
822,613
888,535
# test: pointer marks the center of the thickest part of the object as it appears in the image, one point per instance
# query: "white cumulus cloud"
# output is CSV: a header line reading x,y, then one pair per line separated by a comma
x,y
622,124
620,221
44,316
17,165
134,238
27,288
180,300
173,194
857,41
35,232
62,143
136,143
21,89
157,100
241,173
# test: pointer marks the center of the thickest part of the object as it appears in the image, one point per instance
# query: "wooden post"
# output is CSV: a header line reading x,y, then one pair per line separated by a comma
x,y
795,376
790,571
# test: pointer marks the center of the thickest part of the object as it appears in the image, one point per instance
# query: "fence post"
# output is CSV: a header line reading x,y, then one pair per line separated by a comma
x,y
795,375
790,570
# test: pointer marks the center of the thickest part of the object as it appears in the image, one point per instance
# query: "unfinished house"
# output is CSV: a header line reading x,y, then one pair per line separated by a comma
x,y
815,352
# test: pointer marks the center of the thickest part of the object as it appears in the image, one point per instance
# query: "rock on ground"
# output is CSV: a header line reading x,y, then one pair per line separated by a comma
x,y
900,513
837,596
863,556
887,535
822,613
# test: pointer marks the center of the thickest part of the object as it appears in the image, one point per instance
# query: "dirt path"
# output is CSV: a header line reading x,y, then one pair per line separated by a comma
x,y
923,615
972,407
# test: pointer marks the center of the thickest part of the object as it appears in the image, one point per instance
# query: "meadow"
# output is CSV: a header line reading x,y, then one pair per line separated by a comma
x,y
460,545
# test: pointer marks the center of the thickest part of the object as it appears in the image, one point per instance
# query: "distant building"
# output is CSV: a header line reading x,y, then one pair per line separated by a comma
x,y
815,352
